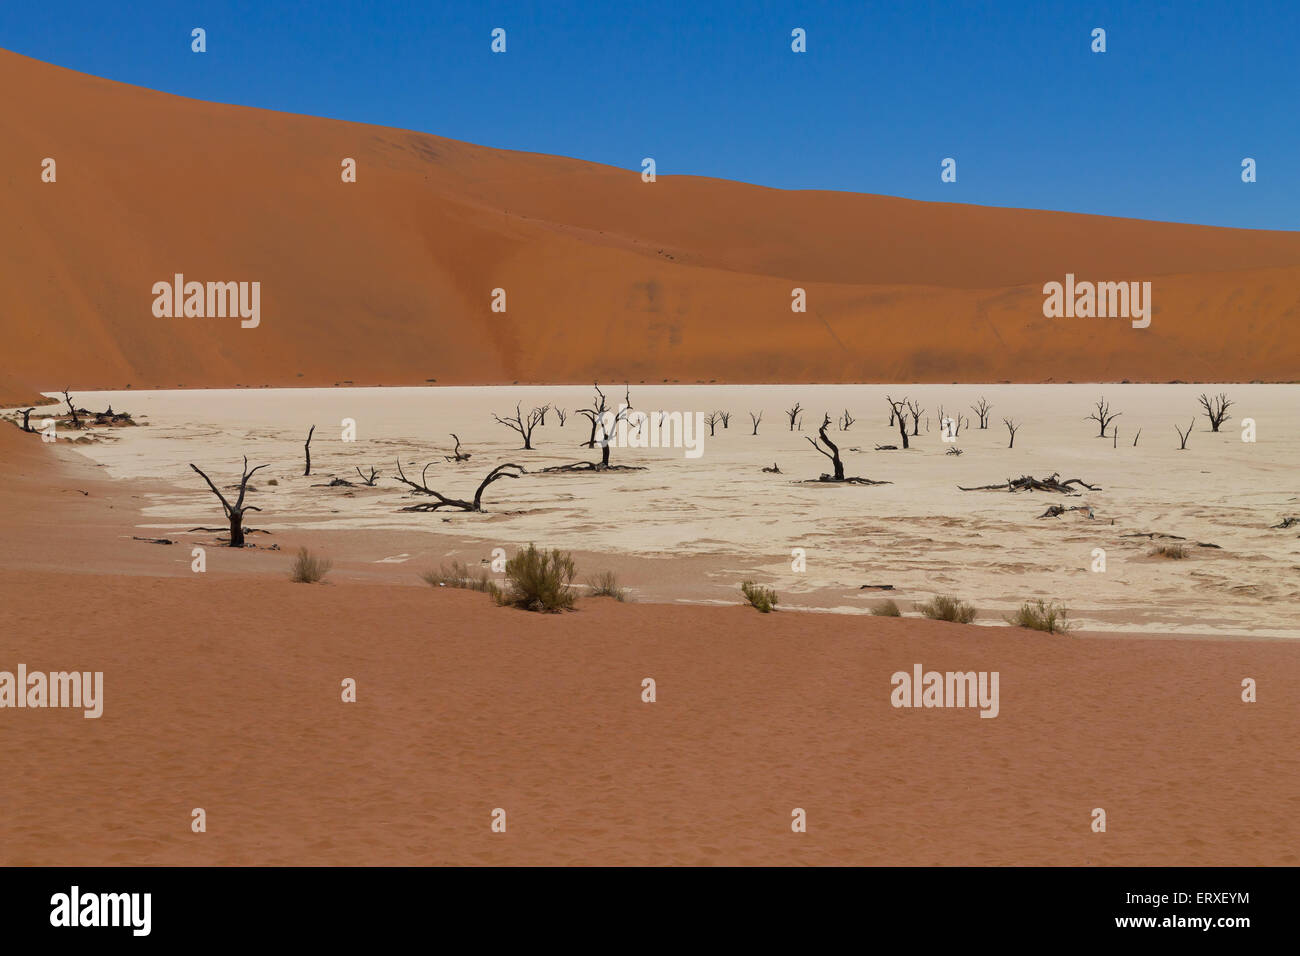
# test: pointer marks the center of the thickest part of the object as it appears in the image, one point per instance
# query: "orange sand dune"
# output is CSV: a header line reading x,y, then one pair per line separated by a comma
x,y
222,691
389,280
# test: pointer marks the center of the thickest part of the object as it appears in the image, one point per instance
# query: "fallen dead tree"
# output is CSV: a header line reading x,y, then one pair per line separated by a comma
x,y
1055,511
500,471
1030,483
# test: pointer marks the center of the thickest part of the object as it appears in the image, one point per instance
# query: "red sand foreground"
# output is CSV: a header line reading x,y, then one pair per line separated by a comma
x,y
223,692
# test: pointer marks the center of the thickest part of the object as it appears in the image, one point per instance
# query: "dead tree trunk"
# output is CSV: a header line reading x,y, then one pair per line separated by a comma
x,y
726,419
793,413
1216,409
1103,416
27,419
898,414
456,455
307,450
373,475
982,409
236,511
598,408
561,414
755,419
500,471
524,425
712,422
1184,435
916,411
846,420
72,409
1012,427
833,454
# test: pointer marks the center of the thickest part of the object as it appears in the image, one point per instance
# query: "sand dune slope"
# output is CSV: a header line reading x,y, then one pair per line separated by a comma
x,y
389,280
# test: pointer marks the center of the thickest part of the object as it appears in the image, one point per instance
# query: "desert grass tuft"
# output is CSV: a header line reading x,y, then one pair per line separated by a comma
x,y
887,609
457,574
1042,616
946,608
307,568
605,584
1175,552
539,580
760,597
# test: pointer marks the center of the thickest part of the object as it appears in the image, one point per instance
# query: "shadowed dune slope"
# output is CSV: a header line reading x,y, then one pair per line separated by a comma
x,y
389,280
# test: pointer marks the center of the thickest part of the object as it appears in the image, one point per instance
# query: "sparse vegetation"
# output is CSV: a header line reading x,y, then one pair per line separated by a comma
x,y
947,608
764,599
887,609
308,568
1042,616
539,580
1175,552
605,584
457,574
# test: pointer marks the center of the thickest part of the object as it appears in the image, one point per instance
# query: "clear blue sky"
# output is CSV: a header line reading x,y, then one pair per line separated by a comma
x,y
1155,128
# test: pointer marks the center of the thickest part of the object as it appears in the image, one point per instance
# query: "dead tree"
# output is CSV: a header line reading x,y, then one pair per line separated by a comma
x,y
373,475
457,455
846,420
1055,511
982,409
793,413
594,414
1030,483
236,511
898,413
542,421
27,419
1103,416
522,424
776,470
712,421
1184,435
72,409
561,414
1136,437
834,455
755,419
307,448
1216,409
916,411
500,471
726,419
1012,427
607,422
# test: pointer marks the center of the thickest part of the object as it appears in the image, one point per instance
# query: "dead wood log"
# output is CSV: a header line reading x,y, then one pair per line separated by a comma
x,y
307,450
500,471
1030,483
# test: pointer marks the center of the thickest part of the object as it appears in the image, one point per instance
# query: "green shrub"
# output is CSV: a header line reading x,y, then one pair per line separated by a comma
x,y
887,609
539,580
605,584
1042,616
760,597
945,608
307,568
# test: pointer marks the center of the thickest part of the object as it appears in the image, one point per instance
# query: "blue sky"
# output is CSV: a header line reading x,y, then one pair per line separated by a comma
x,y
1155,128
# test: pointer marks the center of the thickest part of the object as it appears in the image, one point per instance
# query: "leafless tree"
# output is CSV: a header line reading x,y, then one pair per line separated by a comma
x,y
594,414
370,481
915,409
898,413
1103,416
457,455
755,419
1183,435
500,471
1012,427
307,449
604,424
522,424
27,418
726,419
982,409
793,413
561,414
1216,409
72,409
712,421
833,454
236,511
846,420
